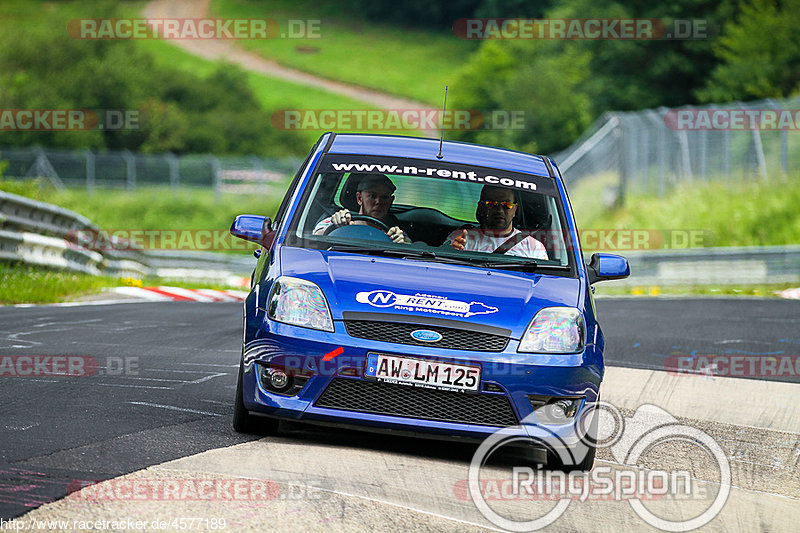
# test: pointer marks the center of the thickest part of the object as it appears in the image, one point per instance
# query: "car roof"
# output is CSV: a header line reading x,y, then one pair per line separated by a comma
x,y
453,151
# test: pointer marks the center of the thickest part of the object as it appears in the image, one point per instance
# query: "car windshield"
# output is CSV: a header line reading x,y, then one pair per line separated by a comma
x,y
434,211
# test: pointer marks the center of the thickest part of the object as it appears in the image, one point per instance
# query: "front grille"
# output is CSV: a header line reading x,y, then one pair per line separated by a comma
x,y
400,333
414,402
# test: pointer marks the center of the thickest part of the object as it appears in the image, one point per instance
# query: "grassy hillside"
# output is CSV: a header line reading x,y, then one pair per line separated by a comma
x,y
739,214
147,208
40,17
403,61
272,93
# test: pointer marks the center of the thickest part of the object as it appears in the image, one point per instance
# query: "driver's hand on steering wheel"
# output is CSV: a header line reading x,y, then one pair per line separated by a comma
x,y
396,234
341,218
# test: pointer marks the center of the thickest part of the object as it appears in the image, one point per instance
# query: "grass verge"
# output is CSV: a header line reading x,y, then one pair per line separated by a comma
x,y
34,284
761,290
20,283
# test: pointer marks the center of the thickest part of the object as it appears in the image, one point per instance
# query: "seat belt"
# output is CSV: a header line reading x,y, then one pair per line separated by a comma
x,y
510,243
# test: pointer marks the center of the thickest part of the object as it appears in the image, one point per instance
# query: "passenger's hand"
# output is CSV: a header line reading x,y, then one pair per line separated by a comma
x,y
461,241
396,234
341,218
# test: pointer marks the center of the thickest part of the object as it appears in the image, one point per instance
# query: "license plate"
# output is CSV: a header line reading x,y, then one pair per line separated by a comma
x,y
421,373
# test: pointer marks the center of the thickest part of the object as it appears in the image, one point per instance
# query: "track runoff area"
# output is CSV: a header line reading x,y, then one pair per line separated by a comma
x,y
699,429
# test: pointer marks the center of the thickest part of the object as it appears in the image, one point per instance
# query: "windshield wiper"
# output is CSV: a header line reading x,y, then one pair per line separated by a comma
x,y
379,251
522,265
423,255
428,255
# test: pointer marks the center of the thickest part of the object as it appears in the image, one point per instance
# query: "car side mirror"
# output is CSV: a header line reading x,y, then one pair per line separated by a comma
x,y
603,267
254,228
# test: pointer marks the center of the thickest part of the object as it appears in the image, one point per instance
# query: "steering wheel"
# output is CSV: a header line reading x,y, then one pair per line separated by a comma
x,y
366,218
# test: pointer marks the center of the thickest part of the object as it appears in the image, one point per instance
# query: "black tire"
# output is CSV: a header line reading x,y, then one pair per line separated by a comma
x,y
243,421
588,443
554,462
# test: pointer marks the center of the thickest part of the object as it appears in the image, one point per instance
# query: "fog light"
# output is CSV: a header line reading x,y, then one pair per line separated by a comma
x,y
555,410
561,410
278,379
282,380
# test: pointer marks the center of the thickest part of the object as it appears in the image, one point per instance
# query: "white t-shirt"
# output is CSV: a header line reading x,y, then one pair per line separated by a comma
x,y
479,240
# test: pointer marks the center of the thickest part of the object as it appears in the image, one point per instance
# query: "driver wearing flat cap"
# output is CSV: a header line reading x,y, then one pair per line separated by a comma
x,y
374,194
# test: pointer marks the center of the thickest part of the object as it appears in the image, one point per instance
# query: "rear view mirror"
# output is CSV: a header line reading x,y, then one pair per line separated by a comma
x,y
254,228
604,267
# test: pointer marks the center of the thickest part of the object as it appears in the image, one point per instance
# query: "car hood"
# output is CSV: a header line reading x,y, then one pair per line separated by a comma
x,y
371,284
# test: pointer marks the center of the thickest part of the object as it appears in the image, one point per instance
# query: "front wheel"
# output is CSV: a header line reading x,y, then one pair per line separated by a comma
x,y
243,421
581,457
554,461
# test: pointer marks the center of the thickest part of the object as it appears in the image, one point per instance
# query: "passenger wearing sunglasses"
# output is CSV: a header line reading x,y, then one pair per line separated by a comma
x,y
495,214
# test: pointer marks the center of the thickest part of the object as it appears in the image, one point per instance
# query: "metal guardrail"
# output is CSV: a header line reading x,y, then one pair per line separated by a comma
x,y
715,266
43,234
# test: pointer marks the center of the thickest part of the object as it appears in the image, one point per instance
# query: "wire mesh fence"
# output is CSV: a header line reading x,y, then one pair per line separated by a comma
x,y
640,152
652,151
84,168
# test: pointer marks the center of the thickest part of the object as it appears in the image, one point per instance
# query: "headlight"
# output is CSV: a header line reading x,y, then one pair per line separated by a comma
x,y
554,330
300,303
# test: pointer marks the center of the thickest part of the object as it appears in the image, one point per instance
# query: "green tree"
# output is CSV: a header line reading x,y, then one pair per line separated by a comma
x,y
181,112
564,84
759,53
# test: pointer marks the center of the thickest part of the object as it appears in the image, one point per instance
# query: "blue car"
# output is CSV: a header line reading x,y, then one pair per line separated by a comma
x,y
415,287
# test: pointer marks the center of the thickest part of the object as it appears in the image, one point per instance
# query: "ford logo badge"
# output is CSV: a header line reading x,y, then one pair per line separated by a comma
x,y
426,335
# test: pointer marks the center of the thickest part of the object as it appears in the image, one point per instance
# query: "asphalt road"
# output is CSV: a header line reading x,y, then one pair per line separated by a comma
x,y
745,335
165,377
162,389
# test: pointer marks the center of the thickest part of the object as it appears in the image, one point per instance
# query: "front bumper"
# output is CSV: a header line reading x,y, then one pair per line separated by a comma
x,y
334,362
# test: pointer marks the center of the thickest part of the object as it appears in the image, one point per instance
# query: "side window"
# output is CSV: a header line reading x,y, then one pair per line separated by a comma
x,y
285,203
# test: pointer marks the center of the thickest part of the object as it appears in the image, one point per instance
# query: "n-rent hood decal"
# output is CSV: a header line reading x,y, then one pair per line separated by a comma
x,y
424,303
